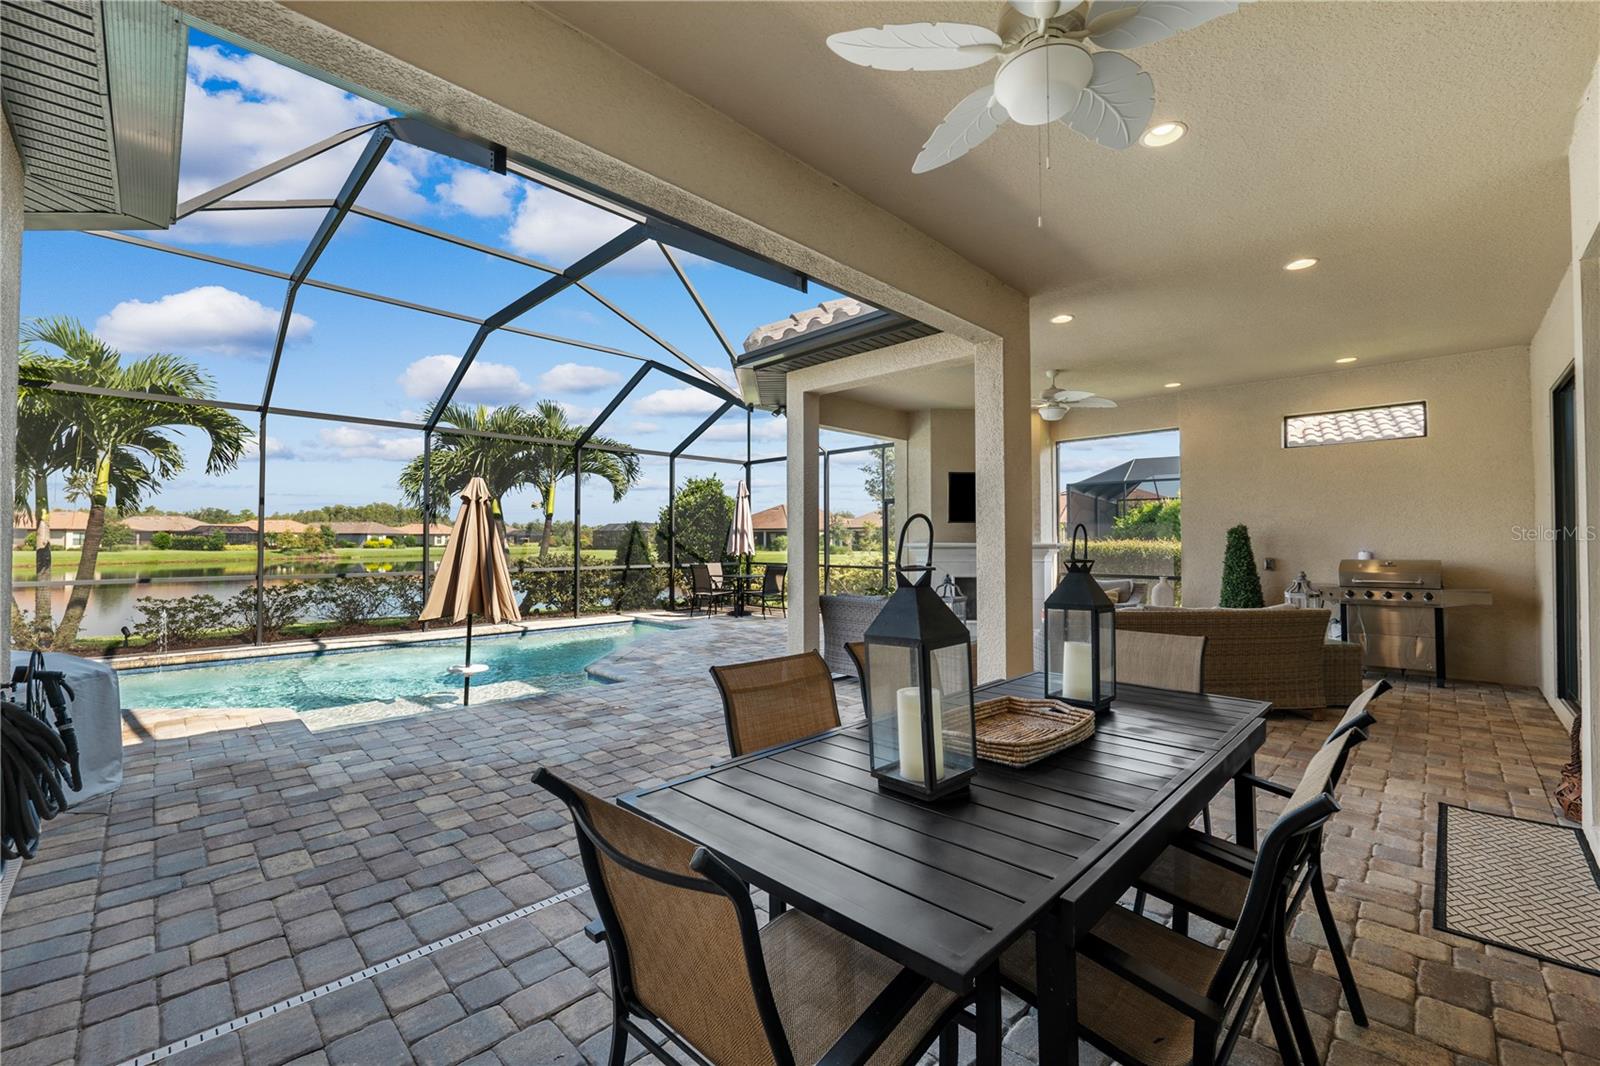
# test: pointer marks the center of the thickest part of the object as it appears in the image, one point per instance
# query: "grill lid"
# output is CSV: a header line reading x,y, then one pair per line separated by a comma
x,y
1391,573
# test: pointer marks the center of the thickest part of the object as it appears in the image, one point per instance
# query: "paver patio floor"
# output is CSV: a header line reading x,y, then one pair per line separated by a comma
x,y
247,859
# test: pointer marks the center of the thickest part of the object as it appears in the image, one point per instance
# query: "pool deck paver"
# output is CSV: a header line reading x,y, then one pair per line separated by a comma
x,y
247,858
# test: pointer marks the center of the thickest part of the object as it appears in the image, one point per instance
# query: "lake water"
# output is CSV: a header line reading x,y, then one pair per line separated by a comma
x,y
113,606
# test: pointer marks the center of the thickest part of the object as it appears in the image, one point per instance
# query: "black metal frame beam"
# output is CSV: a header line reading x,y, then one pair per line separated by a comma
x,y
610,408
694,294
616,247
702,427
244,181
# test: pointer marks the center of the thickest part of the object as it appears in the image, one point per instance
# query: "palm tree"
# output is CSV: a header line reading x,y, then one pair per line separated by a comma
x,y
118,447
504,465
507,465
42,422
620,469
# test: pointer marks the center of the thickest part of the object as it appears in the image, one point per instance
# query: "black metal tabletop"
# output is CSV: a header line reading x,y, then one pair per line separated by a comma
x,y
944,889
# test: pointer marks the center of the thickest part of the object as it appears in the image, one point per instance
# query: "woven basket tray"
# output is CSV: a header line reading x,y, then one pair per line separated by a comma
x,y
1014,731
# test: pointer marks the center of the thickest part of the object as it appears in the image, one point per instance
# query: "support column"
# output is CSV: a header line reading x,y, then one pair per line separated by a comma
x,y
804,502
1006,517
10,290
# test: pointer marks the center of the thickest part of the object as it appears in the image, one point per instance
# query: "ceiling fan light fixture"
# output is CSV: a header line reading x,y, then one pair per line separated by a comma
x,y
1042,82
1173,385
1060,320
1052,413
1345,359
1303,263
1163,134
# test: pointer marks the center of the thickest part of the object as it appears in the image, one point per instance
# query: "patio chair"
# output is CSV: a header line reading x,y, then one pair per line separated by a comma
x,y
1149,995
704,591
774,591
774,701
1210,877
687,956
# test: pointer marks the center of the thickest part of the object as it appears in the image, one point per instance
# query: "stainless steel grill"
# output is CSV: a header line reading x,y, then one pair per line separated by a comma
x,y
1381,605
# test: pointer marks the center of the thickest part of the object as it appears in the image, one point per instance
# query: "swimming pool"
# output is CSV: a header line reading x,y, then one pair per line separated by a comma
x,y
548,660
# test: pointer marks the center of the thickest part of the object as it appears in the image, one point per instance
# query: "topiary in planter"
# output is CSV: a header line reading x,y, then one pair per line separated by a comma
x,y
1241,584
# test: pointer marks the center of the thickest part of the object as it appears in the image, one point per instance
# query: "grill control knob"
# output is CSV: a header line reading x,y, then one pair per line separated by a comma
x,y
1428,596
1388,595
1405,595
1349,594
1369,594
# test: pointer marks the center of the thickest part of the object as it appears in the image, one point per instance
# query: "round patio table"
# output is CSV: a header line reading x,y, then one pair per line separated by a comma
x,y
742,584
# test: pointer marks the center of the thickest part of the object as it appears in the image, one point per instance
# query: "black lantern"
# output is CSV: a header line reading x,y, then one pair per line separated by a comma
x,y
921,732
1080,636
953,597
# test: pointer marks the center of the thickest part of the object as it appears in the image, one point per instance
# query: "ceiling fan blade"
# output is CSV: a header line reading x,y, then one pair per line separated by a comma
x,y
917,46
1115,107
967,125
1071,395
1093,401
1131,23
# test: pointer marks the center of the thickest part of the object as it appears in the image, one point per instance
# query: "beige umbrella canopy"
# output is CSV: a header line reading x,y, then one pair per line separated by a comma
x,y
473,578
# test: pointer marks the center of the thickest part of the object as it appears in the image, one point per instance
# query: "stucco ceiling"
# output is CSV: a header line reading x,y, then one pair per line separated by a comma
x,y
1418,149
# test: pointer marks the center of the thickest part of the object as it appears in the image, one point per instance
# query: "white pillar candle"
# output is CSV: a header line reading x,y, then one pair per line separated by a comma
x,y
908,708
1077,670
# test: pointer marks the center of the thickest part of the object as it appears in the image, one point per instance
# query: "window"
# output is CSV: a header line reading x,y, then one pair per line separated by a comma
x,y
1393,422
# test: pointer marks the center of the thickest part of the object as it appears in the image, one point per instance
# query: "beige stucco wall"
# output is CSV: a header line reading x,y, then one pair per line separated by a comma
x,y
1458,495
941,442
10,283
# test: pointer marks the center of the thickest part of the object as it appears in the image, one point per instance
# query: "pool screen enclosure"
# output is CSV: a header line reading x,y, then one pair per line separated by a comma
x,y
637,231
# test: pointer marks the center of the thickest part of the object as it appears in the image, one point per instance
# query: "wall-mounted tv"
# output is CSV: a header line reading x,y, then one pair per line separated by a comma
x,y
963,497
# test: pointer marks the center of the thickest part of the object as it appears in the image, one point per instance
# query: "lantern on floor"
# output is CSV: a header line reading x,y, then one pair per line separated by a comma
x,y
953,598
921,732
1080,636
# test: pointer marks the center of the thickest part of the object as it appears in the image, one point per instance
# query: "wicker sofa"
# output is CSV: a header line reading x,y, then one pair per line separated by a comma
x,y
844,620
1280,654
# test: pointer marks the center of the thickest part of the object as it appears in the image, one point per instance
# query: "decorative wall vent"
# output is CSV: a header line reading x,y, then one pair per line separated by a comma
x,y
1393,422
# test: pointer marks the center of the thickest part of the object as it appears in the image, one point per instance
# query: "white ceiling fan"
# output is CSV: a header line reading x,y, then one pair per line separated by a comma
x,y
1048,72
1054,403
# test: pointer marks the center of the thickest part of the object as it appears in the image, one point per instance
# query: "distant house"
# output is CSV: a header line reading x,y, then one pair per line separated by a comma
x,y
145,526
438,533
613,535
66,528
232,532
357,534
769,525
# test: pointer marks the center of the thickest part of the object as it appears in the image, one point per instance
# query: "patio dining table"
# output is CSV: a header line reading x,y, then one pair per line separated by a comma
x,y
943,890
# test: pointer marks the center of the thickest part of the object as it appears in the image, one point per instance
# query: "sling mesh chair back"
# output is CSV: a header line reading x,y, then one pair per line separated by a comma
x,y
1209,877
687,956
1150,996
774,701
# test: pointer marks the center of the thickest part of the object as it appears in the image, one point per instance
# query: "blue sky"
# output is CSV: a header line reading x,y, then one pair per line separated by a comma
x,y
353,356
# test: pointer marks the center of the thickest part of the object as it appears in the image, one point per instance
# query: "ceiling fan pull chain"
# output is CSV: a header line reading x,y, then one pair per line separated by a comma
x,y
1039,219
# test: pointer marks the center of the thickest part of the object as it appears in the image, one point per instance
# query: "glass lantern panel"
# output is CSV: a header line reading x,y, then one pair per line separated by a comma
x,y
1108,653
894,710
1074,657
950,670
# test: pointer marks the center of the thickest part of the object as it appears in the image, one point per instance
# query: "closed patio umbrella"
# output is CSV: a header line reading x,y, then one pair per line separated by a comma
x,y
473,578
742,534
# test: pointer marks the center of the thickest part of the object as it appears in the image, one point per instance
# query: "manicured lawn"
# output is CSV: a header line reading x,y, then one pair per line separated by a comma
x,y
241,559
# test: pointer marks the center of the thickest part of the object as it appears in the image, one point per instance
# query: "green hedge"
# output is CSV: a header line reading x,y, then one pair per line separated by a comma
x,y
1157,558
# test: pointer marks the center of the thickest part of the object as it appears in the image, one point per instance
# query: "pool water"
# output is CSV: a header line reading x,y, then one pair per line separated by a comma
x,y
551,660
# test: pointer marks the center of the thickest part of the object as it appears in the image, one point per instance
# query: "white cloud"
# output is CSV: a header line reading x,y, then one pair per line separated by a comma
x,y
578,377
209,318
642,426
242,112
276,449
353,442
485,382
480,193
761,428
577,412
685,401
559,229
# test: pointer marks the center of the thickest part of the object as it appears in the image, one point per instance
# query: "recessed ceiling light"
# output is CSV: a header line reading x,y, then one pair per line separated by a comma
x,y
1163,134
1346,359
1300,264
1061,320
1173,385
